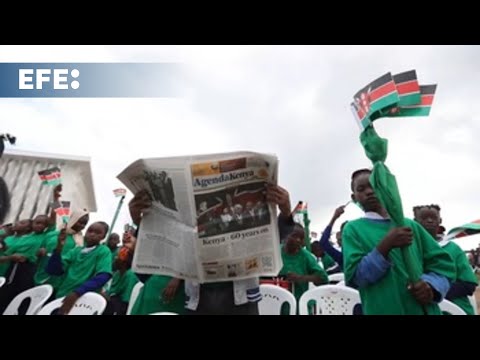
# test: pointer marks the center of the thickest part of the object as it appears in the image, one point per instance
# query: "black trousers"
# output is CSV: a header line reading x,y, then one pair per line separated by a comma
x,y
19,278
218,299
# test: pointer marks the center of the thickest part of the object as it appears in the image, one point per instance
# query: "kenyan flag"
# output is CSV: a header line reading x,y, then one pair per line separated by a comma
x,y
359,114
408,88
50,176
379,94
301,208
471,228
427,93
62,208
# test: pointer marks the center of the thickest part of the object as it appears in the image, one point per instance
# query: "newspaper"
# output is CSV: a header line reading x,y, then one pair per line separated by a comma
x,y
209,221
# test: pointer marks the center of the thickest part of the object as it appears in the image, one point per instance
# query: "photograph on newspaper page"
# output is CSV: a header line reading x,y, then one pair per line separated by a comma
x,y
166,236
237,228
210,220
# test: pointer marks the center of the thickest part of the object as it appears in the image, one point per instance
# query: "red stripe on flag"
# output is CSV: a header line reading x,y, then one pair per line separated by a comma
x,y
360,113
382,91
408,87
427,100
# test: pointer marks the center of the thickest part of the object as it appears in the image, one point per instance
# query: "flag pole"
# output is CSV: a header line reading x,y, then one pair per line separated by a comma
x,y
119,206
306,223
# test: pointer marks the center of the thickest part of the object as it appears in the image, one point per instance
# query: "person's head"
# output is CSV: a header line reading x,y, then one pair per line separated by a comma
x,y
338,235
362,191
249,206
229,199
78,220
96,233
162,176
40,223
238,209
113,241
295,240
7,228
226,211
317,249
429,217
123,260
203,206
22,227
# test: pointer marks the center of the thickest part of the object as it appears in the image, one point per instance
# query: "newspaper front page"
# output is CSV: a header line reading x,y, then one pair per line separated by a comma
x,y
209,221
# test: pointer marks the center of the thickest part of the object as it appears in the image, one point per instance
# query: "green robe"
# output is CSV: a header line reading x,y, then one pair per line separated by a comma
x,y
390,294
80,266
150,300
50,244
9,241
328,262
464,272
122,284
302,263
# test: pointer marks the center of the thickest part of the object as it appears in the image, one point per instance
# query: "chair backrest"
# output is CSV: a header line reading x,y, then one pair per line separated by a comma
x,y
473,302
37,297
335,278
451,308
2,280
341,283
133,296
89,303
273,297
163,313
330,300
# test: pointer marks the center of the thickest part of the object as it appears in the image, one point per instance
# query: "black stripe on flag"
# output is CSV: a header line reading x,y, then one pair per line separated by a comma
x,y
428,89
382,80
405,76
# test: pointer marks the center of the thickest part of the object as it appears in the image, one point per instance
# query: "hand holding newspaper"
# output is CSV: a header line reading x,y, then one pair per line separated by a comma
x,y
210,221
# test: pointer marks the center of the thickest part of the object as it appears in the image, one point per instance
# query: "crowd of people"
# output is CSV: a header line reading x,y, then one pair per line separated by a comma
x,y
75,258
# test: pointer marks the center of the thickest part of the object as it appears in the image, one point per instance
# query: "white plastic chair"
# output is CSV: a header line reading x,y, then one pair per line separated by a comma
x,y
273,297
330,300
133,296
473,302
163,313
38,296
341,283
335,278
2,281
89,303
451,308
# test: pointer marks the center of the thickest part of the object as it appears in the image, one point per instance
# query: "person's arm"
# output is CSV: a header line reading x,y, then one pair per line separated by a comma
x,y
328,247
52,222
460,289
93,284
54,265
439,284
374,266
438,265
371,269
285,225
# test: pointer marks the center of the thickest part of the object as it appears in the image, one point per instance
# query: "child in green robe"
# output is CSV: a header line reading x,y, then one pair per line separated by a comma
x,y
87,268
374,264
466,281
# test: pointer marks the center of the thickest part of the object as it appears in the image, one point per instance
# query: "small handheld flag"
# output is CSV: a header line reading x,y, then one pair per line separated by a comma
x,y
51,176
471,228
62,208
119,192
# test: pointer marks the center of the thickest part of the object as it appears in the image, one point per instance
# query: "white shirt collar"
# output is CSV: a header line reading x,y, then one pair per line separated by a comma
x,y
375,216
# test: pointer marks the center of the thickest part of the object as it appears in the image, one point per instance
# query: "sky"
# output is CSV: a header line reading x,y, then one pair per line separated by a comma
x,y
289,100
